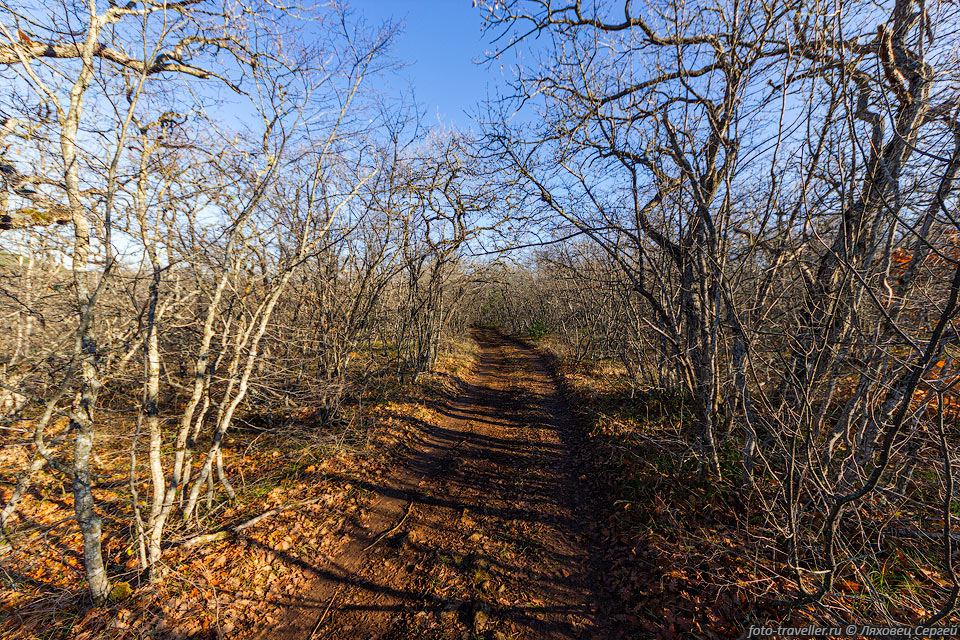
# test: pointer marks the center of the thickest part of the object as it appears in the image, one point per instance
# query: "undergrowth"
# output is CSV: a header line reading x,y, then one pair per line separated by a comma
x,y
693,556
227,588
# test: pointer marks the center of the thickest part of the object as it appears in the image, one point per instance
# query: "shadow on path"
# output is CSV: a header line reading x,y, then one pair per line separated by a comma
x,y
494,537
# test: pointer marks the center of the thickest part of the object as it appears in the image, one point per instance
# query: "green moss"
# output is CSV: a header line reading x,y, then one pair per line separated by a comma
x,y
120,591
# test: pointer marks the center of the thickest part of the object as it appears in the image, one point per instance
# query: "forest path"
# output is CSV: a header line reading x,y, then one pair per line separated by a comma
x,y
481,534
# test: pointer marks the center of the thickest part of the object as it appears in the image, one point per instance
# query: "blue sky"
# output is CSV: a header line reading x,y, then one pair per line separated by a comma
x,y
439,41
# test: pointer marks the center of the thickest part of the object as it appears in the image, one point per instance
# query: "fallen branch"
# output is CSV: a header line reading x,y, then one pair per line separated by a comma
x,y
390,530
323,616
229,532
336,593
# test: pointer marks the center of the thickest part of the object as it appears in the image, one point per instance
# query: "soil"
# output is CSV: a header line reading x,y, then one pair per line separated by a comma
x,y
484,531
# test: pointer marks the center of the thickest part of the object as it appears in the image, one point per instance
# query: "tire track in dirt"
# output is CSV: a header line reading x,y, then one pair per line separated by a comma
x,y
493,525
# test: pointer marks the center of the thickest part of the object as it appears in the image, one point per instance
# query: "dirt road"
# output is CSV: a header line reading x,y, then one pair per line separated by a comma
x,y
482,533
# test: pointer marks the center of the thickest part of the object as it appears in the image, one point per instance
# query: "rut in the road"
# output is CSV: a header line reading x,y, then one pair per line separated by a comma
x,y
485,528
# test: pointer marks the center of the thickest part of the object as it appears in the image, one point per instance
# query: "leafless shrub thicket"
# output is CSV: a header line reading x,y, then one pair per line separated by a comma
x,y
207,212
755,204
